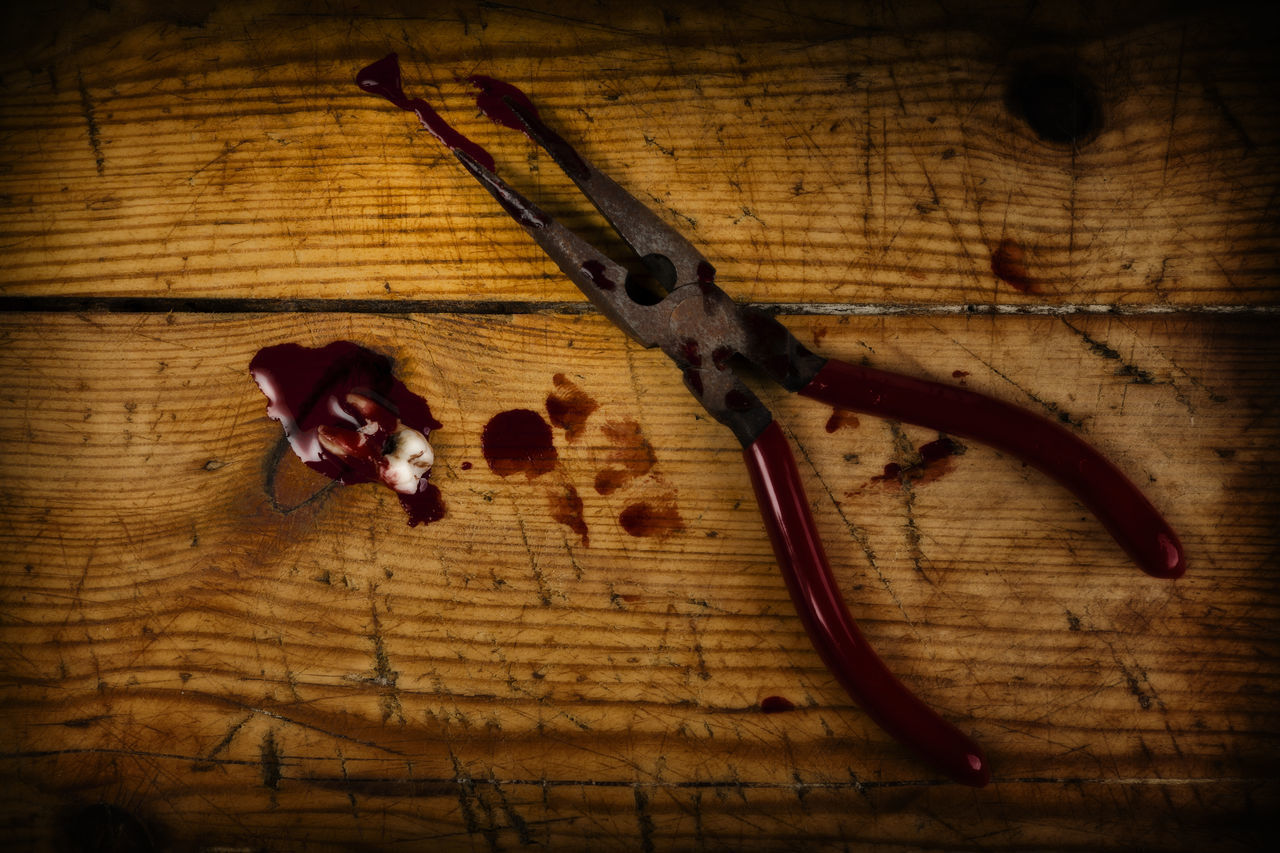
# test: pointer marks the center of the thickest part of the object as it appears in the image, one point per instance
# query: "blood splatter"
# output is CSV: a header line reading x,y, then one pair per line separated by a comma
x,y
939,449
510,107
518,441
721,355
596,272
933,460
1008,263
646,519
566,508
382,78
691,351
632,456
776,704
841,418
736,401
569,407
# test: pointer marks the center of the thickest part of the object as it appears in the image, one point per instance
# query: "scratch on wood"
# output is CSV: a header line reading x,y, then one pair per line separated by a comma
x,y
1136,678
383,675
232,731
698,834
1048,405
644,820
867,147
514,819
87,110
271,465
1137,376
540,579
270,761
701,669
465,790
911,530
468,799
801,789
227,150
351,794
1135,687
576,20
1214,96
748,213
649,140
216,698
856,533
1173,107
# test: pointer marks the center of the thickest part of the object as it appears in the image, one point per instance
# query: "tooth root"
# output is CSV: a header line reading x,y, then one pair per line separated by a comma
x,y
367,407
341,442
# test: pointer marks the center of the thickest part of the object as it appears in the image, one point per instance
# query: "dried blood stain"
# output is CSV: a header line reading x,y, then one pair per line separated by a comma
x,y
645,519
569,407
566,508
934,460
841,418
1008,263
632,456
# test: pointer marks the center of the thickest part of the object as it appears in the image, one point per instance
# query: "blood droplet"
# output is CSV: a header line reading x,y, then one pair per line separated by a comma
x,y
1008,263
841,418
518,441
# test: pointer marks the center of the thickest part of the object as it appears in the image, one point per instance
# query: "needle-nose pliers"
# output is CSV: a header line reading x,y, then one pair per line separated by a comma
x,y
710,338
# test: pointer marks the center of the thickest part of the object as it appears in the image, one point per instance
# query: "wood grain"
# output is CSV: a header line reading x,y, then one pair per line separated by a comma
x,y
204,647
232,674
820,154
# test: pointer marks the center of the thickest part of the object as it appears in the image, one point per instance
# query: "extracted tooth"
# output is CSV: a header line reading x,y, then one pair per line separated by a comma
x,y
407,459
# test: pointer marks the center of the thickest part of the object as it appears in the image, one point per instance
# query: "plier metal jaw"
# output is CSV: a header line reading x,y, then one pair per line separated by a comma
x,y
711,338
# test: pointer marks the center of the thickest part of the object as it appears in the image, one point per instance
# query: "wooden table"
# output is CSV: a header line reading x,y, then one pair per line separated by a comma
x,y
195,656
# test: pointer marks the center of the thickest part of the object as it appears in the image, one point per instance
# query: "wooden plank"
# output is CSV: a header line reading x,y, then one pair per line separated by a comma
x,y
821,154
177,652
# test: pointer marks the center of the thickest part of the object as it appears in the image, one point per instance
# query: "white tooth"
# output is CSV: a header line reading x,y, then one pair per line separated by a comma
x,y
410,459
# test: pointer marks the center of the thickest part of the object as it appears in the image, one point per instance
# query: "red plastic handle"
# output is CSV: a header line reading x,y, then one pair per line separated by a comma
x,y
1100,485
830,627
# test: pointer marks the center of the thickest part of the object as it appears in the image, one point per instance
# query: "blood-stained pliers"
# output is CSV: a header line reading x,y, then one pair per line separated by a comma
x,y
710,337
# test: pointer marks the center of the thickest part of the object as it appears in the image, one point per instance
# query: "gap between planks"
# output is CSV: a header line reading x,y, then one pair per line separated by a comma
x,y
214,305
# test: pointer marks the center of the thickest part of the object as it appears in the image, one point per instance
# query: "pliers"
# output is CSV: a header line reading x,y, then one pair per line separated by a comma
x,y
711,339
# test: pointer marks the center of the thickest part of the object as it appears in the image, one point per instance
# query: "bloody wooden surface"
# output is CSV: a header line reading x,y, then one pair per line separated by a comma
x,y
203,647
